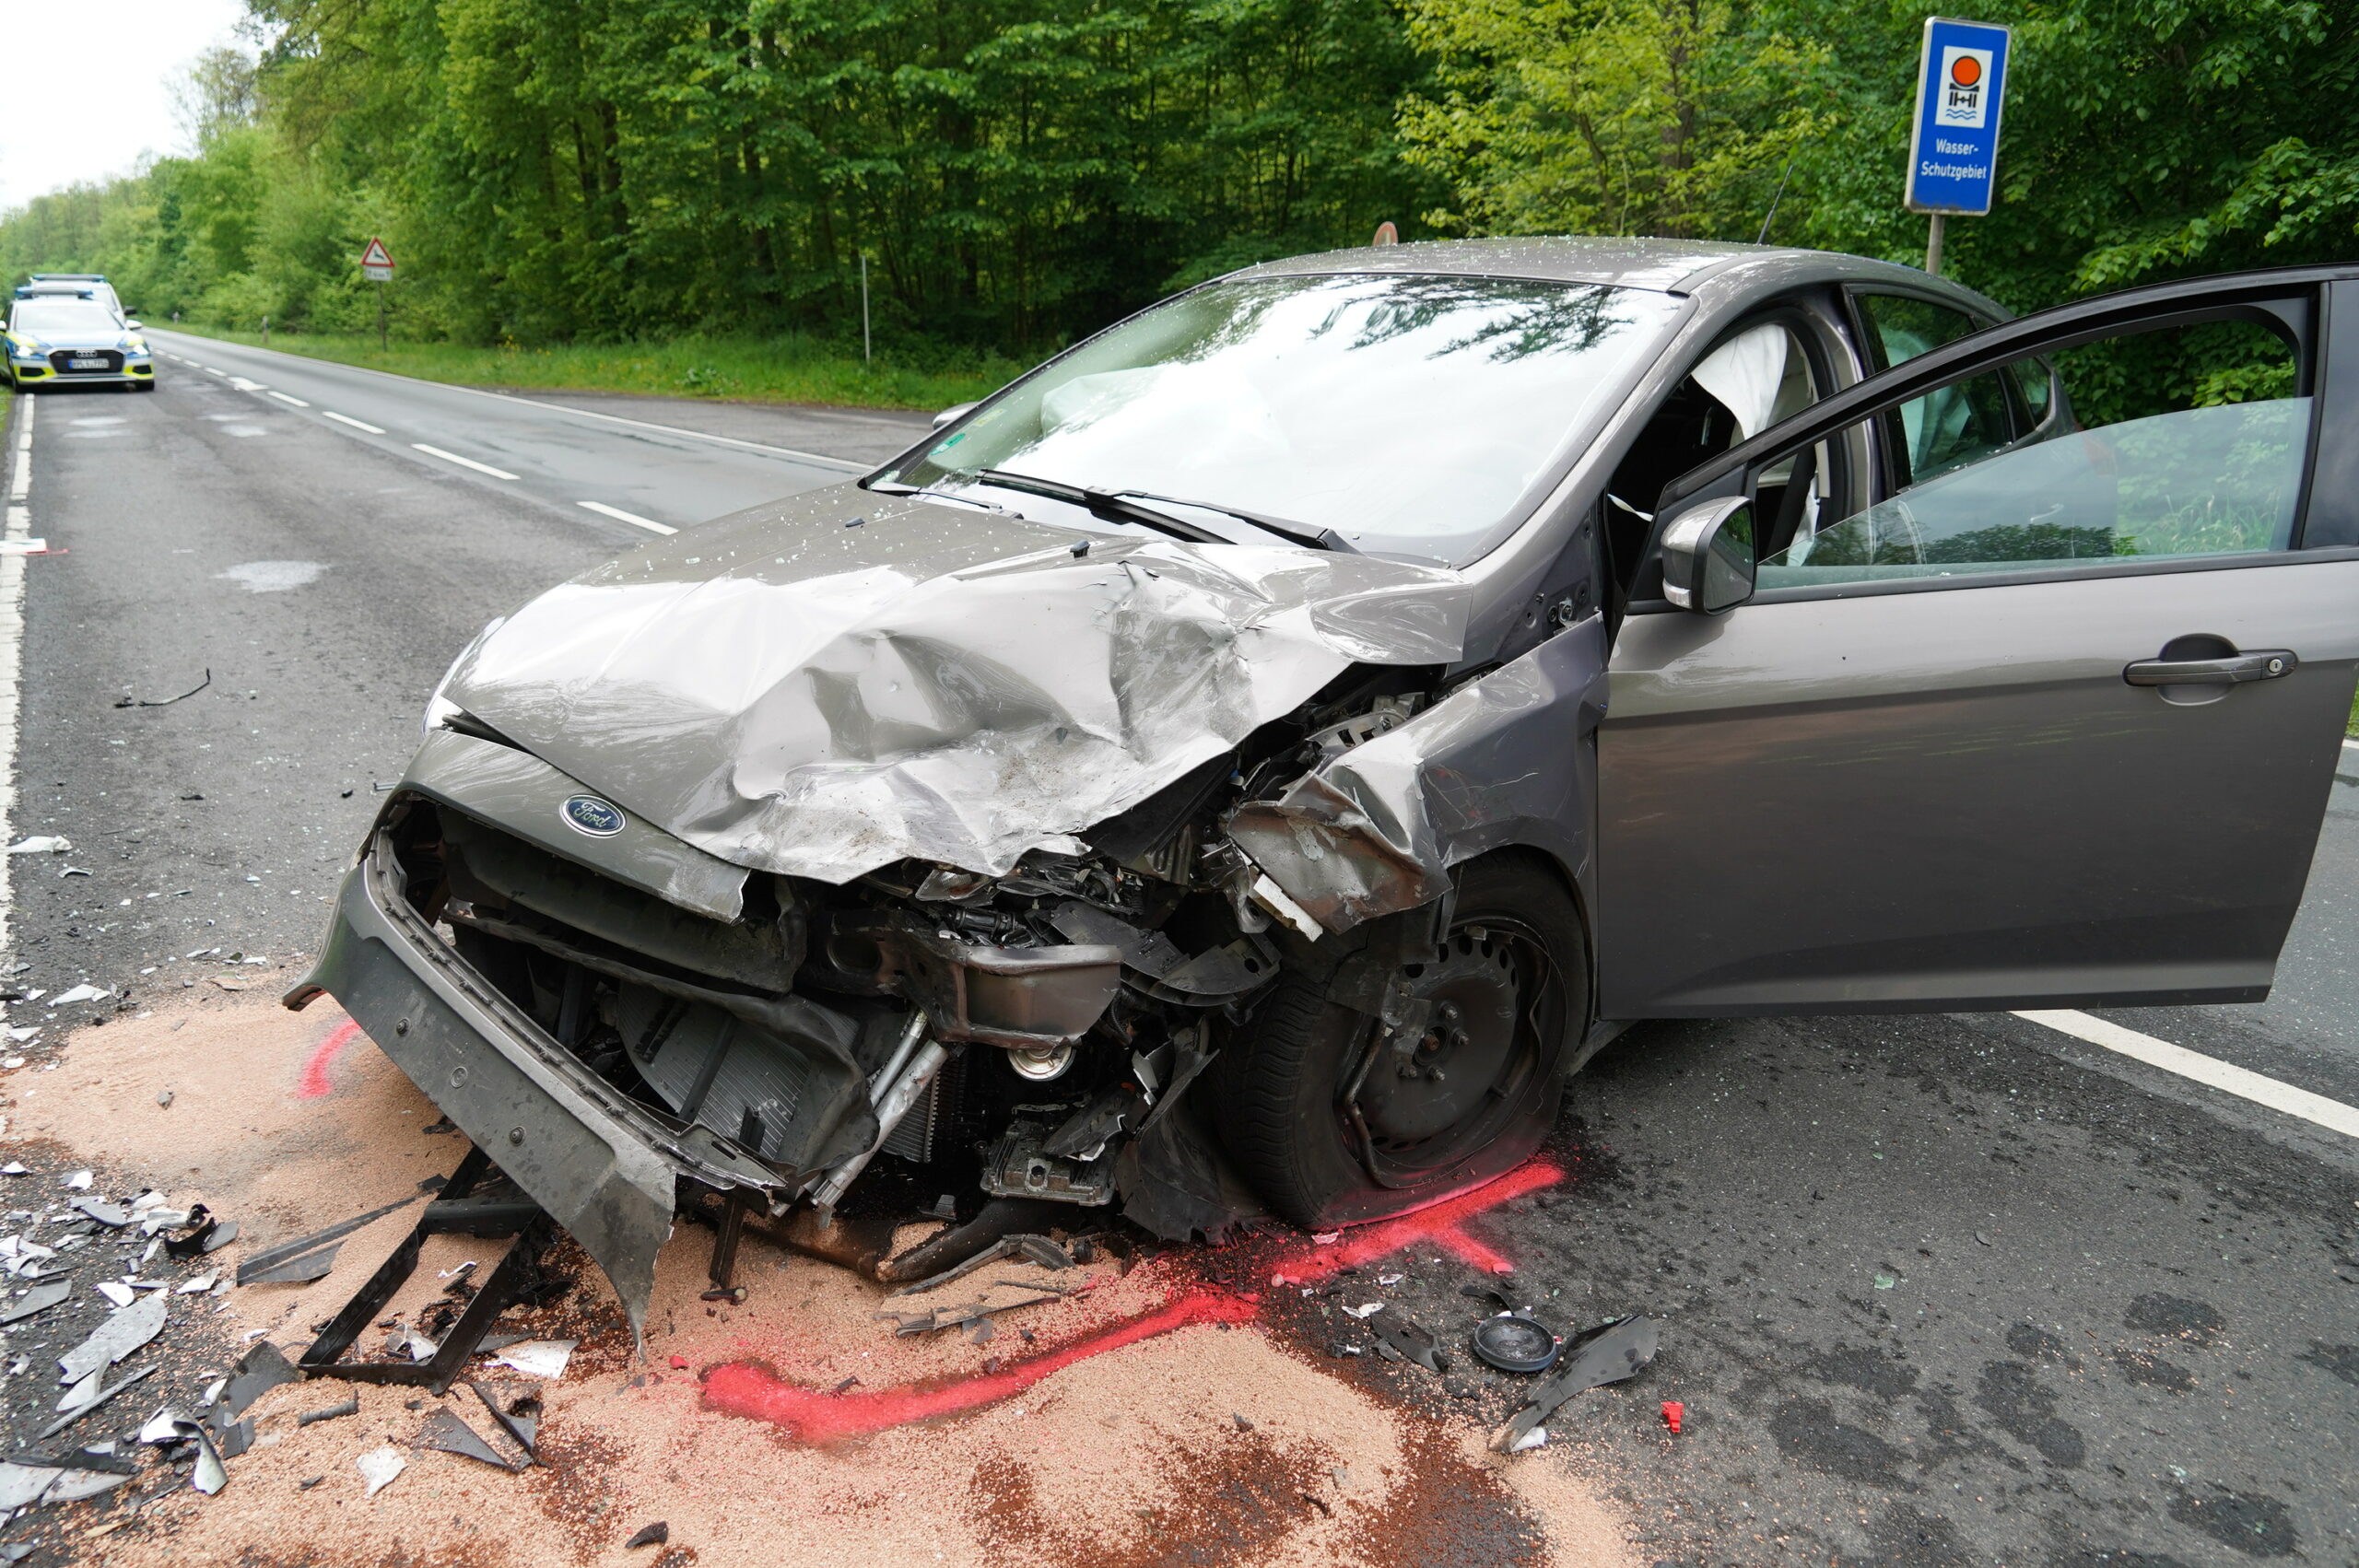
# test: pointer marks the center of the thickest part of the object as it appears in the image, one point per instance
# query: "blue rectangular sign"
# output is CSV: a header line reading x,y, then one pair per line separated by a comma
x,y
1953,142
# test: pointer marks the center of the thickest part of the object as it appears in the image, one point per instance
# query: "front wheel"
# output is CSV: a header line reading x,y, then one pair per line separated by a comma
x,y
1336,1123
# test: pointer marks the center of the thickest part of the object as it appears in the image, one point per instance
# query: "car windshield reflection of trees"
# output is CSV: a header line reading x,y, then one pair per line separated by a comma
x,y
1408,414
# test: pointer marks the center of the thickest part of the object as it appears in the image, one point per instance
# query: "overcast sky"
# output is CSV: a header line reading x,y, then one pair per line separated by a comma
x,y
88,85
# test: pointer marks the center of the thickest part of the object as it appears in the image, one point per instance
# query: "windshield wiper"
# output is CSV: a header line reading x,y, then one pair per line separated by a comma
x,y
1318,539
1118,504
1099,503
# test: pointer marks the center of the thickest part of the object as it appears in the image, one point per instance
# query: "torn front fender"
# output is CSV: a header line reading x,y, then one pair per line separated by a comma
x,y
1508,759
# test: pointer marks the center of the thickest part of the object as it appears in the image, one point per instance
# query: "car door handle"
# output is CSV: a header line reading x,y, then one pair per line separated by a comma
x,y
2266,666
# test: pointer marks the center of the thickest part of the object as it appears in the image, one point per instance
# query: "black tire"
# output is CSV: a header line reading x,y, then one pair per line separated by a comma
x,y
1331,1135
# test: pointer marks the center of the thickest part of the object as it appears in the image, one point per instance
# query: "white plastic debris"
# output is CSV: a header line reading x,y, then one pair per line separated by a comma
x,y
118,1293
1327,1239
199,1285
80,1181
1390,1279
1370,1310
124,1331
538,1358
15,1168
22,1034
1536,1438
82,1394
40,843
379,1466
160,1426
79,993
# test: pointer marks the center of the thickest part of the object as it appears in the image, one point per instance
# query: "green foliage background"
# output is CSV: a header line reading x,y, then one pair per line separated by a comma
x,y
1018,172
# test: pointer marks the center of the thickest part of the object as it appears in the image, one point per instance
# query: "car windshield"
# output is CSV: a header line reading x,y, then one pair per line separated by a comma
x,y
66,317
1409,414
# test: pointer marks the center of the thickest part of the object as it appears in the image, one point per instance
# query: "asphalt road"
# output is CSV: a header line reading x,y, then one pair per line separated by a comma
x,y
1936,1290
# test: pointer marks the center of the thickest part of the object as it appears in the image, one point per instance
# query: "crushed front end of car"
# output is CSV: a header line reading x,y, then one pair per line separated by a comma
x,y
860,829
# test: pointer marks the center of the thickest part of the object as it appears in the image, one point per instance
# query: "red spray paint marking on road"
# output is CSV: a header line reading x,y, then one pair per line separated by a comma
x,y
315,1084
816,1416
1436,1224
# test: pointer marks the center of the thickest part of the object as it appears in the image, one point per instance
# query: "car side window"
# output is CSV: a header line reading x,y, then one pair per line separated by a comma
x,y
2190,441
1953,426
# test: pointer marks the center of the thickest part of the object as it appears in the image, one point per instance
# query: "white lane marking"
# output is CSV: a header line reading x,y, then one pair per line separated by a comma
x,y
355,423
649,523
12,646
843,465
461,462
2332,1115
242,384
296,400
211,371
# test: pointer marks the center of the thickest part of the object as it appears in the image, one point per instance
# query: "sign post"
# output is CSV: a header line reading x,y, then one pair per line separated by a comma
x,y
1954,137
377,267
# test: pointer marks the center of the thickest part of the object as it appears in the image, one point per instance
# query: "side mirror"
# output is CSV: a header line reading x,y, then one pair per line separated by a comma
x,y
134,326
1708,555
951,415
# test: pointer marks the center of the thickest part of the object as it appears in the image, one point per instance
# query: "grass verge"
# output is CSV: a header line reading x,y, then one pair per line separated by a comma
x,y
788,370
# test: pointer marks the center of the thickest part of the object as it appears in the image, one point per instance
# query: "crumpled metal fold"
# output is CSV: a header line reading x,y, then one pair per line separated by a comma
x,y
830,683
1501,761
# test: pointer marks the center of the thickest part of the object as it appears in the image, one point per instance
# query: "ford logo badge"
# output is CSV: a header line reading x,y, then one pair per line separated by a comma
x,y
587,814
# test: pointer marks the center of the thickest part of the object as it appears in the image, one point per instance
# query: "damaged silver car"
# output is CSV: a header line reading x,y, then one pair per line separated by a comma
x,y
1248,763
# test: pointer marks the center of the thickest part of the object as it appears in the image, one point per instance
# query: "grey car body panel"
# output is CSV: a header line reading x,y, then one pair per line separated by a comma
x,y
604,1166
518,791
1505,761
911,679
1954,800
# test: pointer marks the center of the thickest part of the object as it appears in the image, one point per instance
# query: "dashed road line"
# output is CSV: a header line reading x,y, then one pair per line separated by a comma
x,y
296,400
355,423
2260,1089
816,460
649,523
246,384
461,462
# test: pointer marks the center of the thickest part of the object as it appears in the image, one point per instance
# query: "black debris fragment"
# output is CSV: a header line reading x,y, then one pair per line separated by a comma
x,y
1031,1248
263,1368
446,1432
165,702
329,1412
80,1459
514,1404
309,1257
1405,1338
1243,1424
1608,1356
656,1534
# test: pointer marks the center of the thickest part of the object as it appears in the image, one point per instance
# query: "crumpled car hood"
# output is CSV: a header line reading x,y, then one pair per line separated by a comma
x,y
826,685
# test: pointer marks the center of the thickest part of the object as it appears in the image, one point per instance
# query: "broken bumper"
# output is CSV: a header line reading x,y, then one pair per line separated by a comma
x,y
605,1167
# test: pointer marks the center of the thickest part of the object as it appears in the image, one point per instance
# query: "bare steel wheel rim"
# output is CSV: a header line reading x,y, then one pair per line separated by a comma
x,y
1415,1103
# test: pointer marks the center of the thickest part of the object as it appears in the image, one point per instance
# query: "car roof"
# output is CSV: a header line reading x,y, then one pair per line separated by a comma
x,y
1676,266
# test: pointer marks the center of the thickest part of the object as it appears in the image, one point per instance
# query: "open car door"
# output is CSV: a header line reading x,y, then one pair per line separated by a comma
x,y
2045,711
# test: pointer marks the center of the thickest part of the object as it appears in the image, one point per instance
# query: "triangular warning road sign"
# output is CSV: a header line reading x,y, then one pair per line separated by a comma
x,y
376,256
